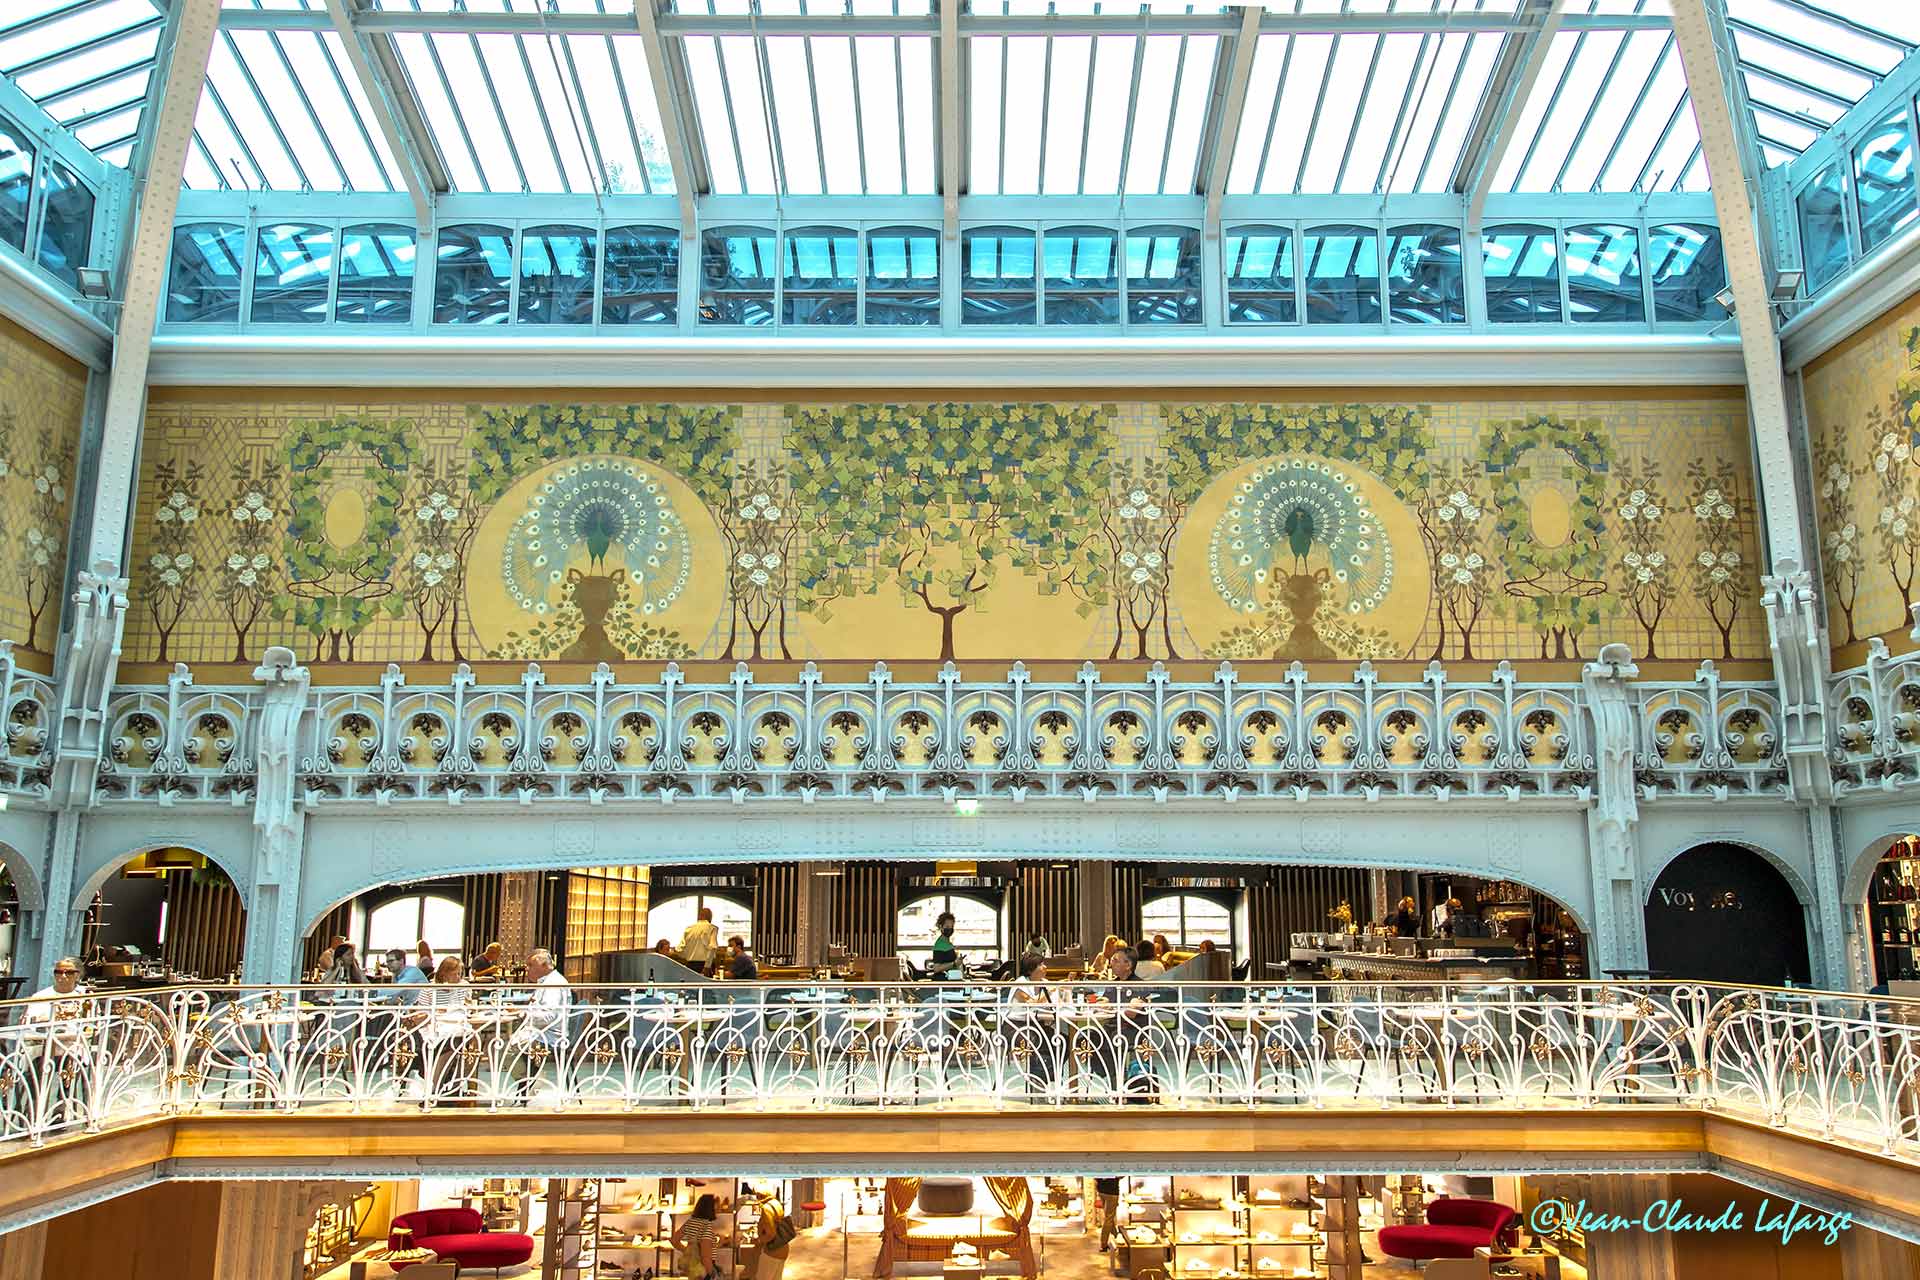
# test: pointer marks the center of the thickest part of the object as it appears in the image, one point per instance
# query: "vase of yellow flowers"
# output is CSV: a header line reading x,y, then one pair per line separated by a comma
x,y
1342,916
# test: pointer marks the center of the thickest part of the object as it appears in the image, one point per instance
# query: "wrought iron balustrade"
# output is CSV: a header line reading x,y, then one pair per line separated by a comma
x,y
1834,1067
1875,712
1157,738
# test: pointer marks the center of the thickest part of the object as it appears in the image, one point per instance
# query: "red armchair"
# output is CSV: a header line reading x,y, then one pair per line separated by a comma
x,y
461,1235
1454,1228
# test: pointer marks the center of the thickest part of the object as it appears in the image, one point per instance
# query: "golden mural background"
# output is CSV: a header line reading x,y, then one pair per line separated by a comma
x,y
1863,406
42,406
419,528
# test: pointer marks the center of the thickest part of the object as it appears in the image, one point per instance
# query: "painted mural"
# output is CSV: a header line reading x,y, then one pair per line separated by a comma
x,y
42,405
420,529
1863,420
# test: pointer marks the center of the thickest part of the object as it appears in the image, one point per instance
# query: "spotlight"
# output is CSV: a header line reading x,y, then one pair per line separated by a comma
x,y
1725,299
93,284
966,807
1786,284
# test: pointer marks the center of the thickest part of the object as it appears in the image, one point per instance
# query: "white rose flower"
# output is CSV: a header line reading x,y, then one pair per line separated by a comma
x,y
1903,452
759,577
1718,575
1462,576
42,485
183,561
1701,512
1448,559
1150,511
253,499
1657,558
6,468
1141,575
1644,575
171,577
1637,497
431,577
40,557
177,499
1706,559
421,559
248,577
1470,513
1906,503
1129,512
1888,440
1900,527
437,500
1843,553
35,537
164,515
1632,559
749,512
748,560
1129,559
444,560
241,513
1650,513
263,515
235,561
1724,511
449,514
761,500
1458,497
1153,559
1730,557
1627,513
1850,531
771,560
1475,560
1138,497
423,514
187,514
1880,463
1447,514
260,561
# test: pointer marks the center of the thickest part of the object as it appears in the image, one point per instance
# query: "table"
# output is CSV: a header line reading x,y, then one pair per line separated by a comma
x,y
1544,1263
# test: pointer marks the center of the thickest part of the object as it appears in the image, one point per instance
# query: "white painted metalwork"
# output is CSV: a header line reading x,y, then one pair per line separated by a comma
x,y
1832,1067
811,740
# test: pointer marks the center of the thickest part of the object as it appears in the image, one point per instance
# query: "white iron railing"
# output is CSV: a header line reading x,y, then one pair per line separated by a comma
x,y
1835,1067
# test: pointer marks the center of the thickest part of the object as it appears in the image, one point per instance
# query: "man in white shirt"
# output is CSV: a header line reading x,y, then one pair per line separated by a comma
x,y
698,942
61,1008
545,1024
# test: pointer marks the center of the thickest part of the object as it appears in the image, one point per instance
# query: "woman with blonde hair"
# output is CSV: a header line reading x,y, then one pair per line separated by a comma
x,y
1103,967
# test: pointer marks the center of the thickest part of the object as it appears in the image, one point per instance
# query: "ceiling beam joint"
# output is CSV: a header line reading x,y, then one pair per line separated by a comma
x,y
1521,62
408,148
1229,105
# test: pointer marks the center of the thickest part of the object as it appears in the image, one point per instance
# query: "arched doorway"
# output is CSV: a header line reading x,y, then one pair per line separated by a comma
x,y
163,914
1893,913
1723,913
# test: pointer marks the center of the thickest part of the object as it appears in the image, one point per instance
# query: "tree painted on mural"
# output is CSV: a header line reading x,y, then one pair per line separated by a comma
x,y
1835,472
1649,580
1453,522
1897,523
758,573
1554,579
1390,443
172,569
695,443
938,500
39,540
433,571
340,580
1139,521
244,582
1720,579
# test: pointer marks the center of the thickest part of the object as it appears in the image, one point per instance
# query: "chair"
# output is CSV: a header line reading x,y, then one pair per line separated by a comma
x,y
461,1236
1454,1228
1241,970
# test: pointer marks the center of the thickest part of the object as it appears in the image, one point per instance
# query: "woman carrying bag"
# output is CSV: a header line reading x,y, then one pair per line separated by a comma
x,y
695,1239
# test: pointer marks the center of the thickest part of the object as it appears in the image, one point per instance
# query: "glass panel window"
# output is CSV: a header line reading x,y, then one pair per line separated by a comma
x,y
1188,919
472,274
976,927
1603,275
1883,179
66,224
1687,272
1342,274
376,275
1424,281
1260,285
997,276
556,275
16,183
1163,275
292,266
1083,276
736,276
1823,228
903,276
640,282
1522,265
406,922
203,286
823,276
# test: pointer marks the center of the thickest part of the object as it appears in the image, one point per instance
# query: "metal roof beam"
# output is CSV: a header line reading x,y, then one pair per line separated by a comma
x,y
953,97
1499,114
675,129
850,24
384,95
1228,106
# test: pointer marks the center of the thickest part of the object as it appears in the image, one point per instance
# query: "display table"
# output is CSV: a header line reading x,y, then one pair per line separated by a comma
x,y
1543,1263
1402,968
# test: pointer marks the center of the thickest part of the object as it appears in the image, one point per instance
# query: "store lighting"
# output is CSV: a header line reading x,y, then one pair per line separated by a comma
x,y
93,284
967,807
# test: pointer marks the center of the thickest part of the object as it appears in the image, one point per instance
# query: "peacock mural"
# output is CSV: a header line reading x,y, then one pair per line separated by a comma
x,y
1299,533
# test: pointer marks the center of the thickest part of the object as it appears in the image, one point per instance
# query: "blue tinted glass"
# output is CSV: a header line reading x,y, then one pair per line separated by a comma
x,y
736,276
1603,275
376,275
472,274
1082,284
1823,228
998,287
1883,179
1342,274
641,279
1522,268
1259,267
66,223
1424,280
292,266
1687,271
823,281
556,275
16,183
1163,275
203,285
903,276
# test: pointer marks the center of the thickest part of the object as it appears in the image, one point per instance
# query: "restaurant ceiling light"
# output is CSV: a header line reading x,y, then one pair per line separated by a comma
x,y
966,807
827,869
941,869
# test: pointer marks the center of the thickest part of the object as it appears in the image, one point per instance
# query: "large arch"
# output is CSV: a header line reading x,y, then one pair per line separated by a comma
x,y
85,889
1689,938
26,880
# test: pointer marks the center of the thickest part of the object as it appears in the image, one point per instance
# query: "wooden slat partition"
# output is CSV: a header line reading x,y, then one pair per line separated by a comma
x,y
1289,900
863,909
206,925
1046,899
776,909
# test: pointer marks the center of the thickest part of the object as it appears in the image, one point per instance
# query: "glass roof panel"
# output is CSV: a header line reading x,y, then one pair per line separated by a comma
x,y
1806,61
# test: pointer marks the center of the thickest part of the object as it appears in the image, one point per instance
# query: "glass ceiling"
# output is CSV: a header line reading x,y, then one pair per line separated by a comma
x,y
842,97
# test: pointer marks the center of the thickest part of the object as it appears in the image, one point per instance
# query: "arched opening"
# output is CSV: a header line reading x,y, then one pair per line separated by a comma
x,y
732,915
9,918
979,920
405,921
164,915
1191,916
1893,913
1723,913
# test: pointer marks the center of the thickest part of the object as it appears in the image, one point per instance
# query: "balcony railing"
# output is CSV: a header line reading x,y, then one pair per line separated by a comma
x,y
1834,1067
811,738
1876,718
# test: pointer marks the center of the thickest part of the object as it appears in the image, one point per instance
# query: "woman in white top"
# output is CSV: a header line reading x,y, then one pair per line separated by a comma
x,y
1148,965
695,1238
1030,989
448,1023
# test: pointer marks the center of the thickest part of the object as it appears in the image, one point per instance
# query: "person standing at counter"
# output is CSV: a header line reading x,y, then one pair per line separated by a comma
x,y
1406,920
1108,1189
699,942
